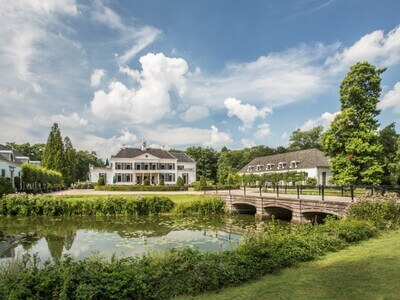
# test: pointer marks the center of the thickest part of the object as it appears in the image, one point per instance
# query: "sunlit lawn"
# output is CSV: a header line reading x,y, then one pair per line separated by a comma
x,y
369,270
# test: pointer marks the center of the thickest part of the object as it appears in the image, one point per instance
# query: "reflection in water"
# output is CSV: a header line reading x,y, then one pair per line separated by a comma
x,y
79,237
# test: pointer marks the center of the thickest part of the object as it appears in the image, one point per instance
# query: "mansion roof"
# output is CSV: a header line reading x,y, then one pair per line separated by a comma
x,y
303,159
4,156
129,152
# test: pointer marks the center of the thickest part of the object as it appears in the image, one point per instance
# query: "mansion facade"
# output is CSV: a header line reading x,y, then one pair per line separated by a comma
x,y
311,161
136,165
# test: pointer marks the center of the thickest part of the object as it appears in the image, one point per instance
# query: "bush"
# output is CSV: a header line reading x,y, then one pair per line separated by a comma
x,y
17,183
162,182
196,186
206,205
83,185
35,175
100,181
311,181
140,188
6,186
180,182
27,205
383,211
174,273
146,182
203,183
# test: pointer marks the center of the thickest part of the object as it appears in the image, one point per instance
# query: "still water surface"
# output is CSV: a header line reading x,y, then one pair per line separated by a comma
x,y
80,237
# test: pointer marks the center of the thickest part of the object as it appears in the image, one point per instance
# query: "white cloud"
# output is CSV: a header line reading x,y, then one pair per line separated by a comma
x,y
134,74
194,113
248,143
391,99
218,138
263,131
70,121
325,120
245,112
284,135
151,100
176,136
374,47
96,77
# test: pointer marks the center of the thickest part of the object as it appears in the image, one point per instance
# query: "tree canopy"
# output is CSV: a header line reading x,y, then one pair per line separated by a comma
x,y
352,141
307,139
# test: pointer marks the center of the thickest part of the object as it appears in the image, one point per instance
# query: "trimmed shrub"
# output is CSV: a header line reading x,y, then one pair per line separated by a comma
x,y
100,181
206,205
26,205
162,182
146,182
311,181
6,186
140,188
180,182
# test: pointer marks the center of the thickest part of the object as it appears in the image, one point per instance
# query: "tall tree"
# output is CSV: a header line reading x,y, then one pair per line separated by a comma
x,y
83,160
394,166
206,161
388,138
307,139
34,152
53,154
352,141
69,162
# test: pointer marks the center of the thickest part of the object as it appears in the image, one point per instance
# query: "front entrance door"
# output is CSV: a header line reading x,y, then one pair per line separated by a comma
x,y
185,177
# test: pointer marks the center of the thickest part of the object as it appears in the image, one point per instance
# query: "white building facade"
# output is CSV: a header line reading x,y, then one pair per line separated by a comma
x,y
132,166
10,165
310,161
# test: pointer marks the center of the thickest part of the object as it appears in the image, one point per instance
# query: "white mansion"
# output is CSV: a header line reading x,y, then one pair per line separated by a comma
x,y
311,161
135,165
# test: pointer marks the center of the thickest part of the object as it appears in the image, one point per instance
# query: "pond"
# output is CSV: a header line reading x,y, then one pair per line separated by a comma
x,y
80,237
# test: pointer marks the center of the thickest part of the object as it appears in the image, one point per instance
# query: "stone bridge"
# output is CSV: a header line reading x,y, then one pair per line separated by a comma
x,y
295,210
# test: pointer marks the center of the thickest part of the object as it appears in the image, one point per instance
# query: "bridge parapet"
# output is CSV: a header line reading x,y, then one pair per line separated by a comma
x,y
300,209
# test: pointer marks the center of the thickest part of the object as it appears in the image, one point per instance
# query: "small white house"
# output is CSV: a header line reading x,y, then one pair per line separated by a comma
x,y
10,165
311,161
136,165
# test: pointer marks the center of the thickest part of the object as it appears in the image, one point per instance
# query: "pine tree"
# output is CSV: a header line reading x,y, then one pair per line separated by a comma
x,y
69,162
53,154
352,141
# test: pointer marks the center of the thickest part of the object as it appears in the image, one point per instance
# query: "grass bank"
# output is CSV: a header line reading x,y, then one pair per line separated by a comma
x,y
369,270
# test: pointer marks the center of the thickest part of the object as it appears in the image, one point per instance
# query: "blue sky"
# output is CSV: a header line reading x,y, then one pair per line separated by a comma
x,y
182,73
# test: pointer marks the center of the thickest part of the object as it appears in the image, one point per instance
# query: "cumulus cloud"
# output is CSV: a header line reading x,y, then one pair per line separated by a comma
x,y
325,120
391,99
263,131
134,74
194,113
151,100
248,143
375,47
72,120
245,112
96,77
218,138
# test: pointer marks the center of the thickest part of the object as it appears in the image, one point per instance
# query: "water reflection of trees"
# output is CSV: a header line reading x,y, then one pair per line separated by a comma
x,y
60,233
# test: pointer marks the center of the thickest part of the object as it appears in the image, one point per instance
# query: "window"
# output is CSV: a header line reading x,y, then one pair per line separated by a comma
x,y
259,167
3,173
118,166
294,164
270,166
123,177
250,168
281,165
167,177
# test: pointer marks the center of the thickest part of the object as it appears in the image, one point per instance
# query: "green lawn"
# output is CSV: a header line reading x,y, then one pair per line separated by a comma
x,y
369,270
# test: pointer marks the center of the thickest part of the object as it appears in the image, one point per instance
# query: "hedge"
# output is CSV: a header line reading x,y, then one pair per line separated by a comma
x,y
219,187
141,188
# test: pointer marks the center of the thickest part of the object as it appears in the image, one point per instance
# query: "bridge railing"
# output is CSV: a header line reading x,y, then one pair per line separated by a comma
x,y
323,192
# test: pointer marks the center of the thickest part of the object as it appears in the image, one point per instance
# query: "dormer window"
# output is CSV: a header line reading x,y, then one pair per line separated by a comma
x,y
250,168
270,166
281,165
294,164
259,167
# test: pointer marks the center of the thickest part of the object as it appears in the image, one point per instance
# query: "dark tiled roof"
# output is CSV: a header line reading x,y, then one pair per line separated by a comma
x,y
310,158
5,148
2,147
182,157
134,152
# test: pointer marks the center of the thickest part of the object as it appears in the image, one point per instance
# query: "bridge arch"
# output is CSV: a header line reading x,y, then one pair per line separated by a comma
x,y
244,208
279,212
318,216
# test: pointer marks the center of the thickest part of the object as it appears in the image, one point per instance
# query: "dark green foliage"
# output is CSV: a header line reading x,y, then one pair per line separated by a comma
x,y
388,138
26,205
69,170
83,160
154,188
307,139
197,187
100,181
84,185
146,182
180,182
34,152
17,183
53,154
162,182
40,177
186,272
5,186
206,161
